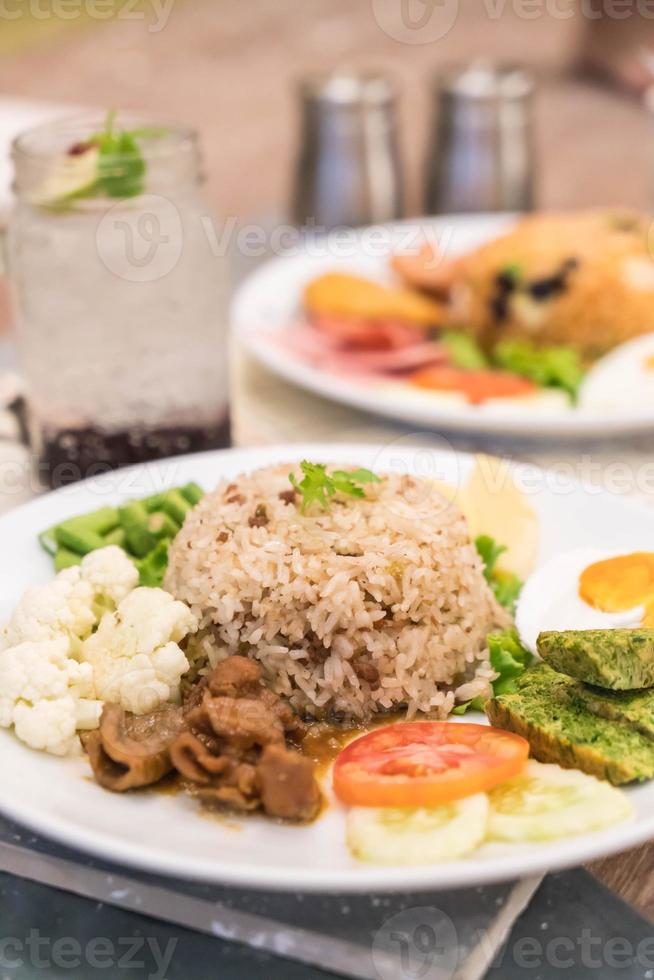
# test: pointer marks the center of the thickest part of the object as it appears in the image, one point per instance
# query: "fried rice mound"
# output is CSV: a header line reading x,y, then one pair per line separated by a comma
x,y
372,604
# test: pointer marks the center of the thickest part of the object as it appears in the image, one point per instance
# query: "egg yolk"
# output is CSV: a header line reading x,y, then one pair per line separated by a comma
x,y
618,584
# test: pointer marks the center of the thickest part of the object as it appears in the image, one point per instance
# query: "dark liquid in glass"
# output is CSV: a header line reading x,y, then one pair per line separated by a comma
x,y
68,455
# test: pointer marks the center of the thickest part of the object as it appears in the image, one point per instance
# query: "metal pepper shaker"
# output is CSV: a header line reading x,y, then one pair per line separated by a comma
x,y
481,156
348,166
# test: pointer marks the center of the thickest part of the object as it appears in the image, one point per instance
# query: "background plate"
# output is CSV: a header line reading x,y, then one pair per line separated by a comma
x,y
269,300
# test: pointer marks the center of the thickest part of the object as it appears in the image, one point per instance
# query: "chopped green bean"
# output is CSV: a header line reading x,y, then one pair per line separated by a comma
x,y
65,558
152,568
192,492
154,502
143,528
117,536
77,539
134,521
97,522
48,540
176,506
162,526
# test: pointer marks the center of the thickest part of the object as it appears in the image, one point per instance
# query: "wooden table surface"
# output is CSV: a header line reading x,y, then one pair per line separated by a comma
x,y
631,875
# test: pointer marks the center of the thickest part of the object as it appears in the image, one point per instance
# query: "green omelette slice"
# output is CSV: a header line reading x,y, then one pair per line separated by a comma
x,y
547,710
618,659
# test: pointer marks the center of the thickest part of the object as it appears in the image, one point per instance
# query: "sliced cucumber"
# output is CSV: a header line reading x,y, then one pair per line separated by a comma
x,y
421,835
545,802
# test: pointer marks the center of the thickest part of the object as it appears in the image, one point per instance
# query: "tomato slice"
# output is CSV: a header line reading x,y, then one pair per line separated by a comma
x,y
477,386
426,763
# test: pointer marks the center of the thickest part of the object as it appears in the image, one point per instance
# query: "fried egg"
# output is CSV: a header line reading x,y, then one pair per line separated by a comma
x,y
587,589
623,379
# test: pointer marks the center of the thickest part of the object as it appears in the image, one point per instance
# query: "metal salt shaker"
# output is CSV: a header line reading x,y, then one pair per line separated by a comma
x,y
348,167
482,156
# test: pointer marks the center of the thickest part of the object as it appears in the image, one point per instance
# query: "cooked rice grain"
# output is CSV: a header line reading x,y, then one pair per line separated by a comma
x,y
373,604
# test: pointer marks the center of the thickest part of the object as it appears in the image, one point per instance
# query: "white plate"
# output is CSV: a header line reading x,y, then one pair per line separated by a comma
x,y
170,834
269,302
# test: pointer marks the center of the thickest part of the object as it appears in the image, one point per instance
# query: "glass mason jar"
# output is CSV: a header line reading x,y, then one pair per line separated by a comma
x,y
119,300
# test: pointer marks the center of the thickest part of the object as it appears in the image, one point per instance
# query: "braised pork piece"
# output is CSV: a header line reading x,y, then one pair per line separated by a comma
x,y
128,751
228,742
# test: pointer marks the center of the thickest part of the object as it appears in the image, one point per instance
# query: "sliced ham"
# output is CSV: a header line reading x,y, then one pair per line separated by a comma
x,y
323,351
393,361
370,334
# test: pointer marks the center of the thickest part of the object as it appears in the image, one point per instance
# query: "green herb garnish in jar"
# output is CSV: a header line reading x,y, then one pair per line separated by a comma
x,y
109,163
121,167
318,486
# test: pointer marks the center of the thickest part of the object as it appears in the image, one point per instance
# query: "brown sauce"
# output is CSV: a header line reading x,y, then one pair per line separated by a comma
x,y
323,741
170,785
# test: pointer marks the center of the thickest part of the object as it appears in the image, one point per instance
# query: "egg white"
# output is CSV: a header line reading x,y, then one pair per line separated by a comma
x,y
621,380
550,599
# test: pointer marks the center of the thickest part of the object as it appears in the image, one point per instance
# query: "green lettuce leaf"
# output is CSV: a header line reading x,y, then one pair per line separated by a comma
x,y
463,350
509,659
505,585
548,367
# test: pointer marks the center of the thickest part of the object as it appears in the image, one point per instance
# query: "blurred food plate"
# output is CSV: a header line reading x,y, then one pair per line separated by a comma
x,y
341,317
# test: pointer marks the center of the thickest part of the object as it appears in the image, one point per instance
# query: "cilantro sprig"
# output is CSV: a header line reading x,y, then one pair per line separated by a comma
x,y
317,486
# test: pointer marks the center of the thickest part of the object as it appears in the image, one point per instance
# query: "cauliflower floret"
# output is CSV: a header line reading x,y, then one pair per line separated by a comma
x,y
47,725
46,694
111,574
136,660
55,672
73,602
63,607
